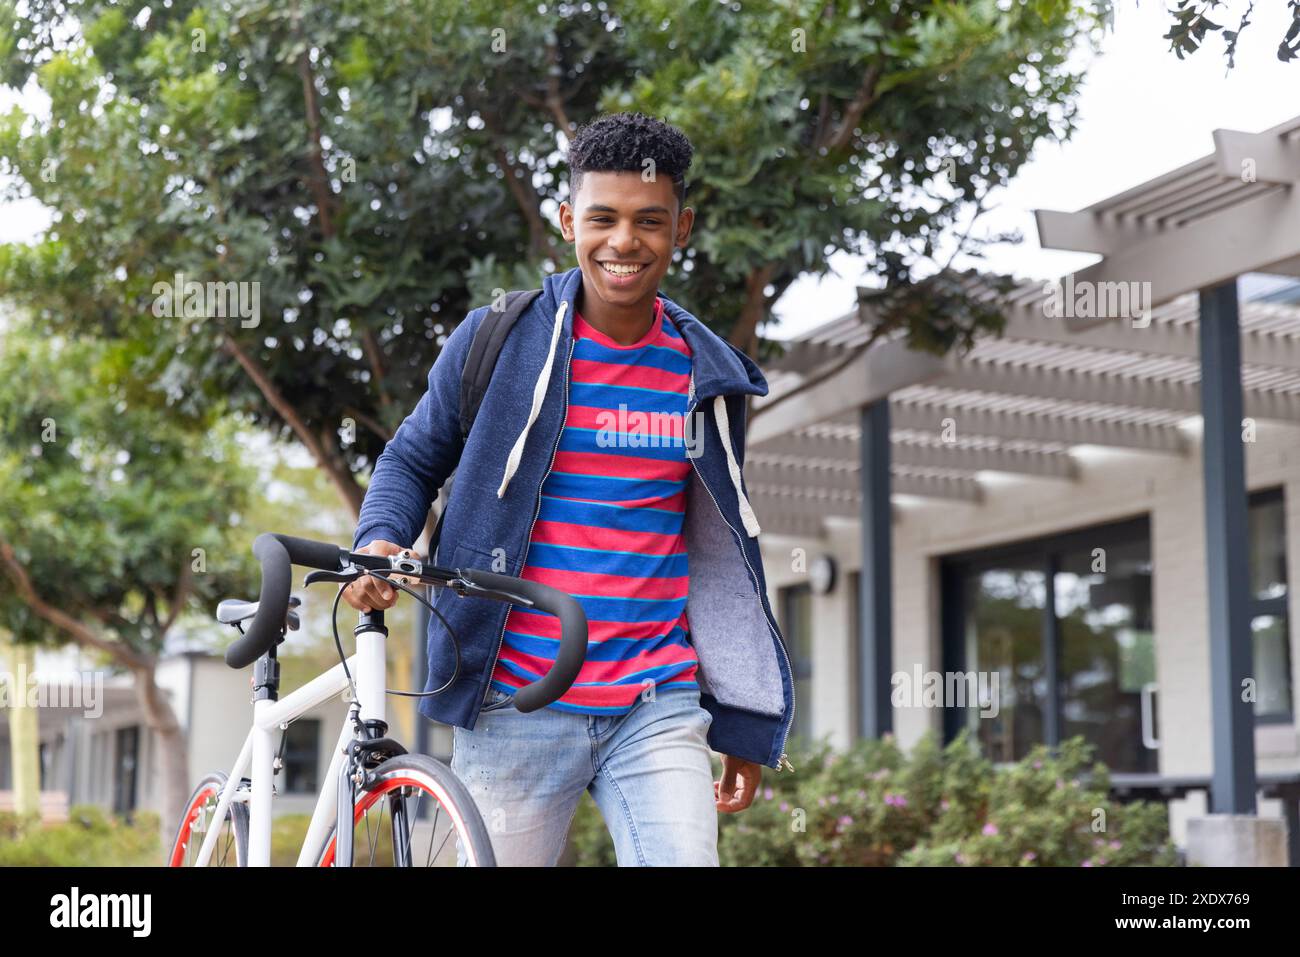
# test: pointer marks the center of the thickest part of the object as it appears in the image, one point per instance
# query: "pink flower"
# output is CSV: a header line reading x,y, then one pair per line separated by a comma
x,y
835,799
1116,845
1086,864
767,794
943,805
845,821
1030,856
959,857
990,829
1038,765
785,806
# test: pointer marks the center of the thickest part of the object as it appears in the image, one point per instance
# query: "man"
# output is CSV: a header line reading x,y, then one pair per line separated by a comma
x,y
605,460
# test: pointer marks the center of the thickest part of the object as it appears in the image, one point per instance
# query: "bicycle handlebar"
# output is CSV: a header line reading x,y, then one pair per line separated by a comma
x,y
279,553
573,635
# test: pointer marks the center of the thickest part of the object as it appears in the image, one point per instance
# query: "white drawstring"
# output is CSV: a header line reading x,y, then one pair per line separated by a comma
x,y
539,392
746,512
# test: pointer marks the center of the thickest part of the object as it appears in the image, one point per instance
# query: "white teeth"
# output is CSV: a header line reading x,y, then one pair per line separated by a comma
x,y
619,270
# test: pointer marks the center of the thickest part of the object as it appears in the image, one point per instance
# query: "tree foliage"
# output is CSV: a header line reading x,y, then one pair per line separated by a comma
x,y
380,168
1192,22
118,515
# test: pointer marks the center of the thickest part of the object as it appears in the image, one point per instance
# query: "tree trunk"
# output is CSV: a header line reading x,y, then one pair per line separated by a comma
x,y
170,739
24,732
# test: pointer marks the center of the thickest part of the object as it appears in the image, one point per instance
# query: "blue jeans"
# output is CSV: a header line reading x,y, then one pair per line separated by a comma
x,y
648,771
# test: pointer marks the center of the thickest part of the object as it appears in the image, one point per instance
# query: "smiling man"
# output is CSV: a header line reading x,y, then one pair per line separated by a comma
x,y
605,461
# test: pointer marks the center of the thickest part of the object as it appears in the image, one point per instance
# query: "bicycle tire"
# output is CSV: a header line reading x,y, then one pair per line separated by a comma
x,y
434,779
209,790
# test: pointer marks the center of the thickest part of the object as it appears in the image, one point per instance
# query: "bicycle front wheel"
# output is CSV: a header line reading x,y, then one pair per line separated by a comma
x,y
199,817
414,814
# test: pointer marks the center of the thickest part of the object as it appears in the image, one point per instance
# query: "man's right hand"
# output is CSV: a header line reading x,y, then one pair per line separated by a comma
x,y
369,593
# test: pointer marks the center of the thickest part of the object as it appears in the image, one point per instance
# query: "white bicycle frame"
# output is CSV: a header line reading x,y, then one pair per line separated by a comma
x,y
369,672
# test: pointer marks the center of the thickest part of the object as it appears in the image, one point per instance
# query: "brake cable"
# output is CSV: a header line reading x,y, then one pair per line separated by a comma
x,y
338,642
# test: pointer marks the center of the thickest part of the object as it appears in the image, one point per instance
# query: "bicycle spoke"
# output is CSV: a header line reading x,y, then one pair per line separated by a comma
x,y
450,832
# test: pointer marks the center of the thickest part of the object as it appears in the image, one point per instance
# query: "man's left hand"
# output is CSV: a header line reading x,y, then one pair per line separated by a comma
x,y
739,784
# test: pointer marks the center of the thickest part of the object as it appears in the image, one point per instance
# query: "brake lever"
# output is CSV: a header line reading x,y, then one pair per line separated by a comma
x,y
463,585
324,576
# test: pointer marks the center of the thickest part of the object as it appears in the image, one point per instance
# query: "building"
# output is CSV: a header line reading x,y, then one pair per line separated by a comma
x,y
1100,507
101,751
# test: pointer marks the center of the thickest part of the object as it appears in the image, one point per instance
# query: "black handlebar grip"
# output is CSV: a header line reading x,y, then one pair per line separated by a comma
x,y
573,635
272,603
309,554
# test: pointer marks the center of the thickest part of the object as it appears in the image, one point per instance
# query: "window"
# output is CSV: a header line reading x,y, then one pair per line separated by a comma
x,y
301,756
796,616
1059,630
1269,624
126,755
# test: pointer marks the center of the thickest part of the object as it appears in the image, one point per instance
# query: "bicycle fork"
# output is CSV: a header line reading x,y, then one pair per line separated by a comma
x,y
370,746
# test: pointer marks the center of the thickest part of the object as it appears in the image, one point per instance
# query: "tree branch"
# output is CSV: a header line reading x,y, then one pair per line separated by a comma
x,y
318,180
861,102
60,619
338,472
179,598
540,241
370,423
754,307
820,377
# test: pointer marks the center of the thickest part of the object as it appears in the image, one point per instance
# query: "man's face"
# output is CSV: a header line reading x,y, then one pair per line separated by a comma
x,y
620,220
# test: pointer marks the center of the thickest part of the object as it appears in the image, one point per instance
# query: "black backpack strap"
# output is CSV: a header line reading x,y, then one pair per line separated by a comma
x,y
479,363
483,351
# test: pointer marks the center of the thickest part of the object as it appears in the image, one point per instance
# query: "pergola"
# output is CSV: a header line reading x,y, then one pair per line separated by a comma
x,y
1023,401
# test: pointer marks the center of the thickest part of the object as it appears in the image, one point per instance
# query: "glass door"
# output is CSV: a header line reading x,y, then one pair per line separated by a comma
x,y
1108,653
1004,635
1060,629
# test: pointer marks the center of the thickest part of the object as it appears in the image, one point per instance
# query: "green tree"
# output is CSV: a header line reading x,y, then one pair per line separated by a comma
x,y
118,518
379,168
1192,22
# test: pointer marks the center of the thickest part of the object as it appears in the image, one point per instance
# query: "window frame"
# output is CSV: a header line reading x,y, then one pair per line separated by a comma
x,y
1277,607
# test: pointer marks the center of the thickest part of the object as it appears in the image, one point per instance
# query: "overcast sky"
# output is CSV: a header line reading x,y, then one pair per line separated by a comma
x,y
1143,112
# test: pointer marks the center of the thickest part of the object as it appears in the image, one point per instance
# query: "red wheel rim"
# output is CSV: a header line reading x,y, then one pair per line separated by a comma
x,y
369,799
183,838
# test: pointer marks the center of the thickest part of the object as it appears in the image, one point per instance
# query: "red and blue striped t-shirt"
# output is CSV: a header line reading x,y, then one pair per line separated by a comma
x,y
609,531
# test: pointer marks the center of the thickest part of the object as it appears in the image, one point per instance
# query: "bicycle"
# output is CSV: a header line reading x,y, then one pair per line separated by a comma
x,y
368,769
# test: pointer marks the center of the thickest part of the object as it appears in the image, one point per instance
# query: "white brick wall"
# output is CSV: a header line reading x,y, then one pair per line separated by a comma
x,y
1112,485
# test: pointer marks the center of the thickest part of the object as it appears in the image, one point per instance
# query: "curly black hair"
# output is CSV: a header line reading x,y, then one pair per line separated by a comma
x,y
621,142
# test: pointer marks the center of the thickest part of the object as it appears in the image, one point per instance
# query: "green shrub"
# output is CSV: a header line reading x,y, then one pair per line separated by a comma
x,y
940,806
89,838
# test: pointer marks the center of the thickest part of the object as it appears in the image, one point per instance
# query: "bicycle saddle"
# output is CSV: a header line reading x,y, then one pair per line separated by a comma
x,y
234,610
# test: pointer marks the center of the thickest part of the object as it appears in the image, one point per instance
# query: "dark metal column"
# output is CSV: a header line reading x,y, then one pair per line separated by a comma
x,y
1226,552
1052,655
875,599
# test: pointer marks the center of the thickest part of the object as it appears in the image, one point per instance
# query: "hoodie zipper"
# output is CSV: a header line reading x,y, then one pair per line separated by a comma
x,y
528,542
785,731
